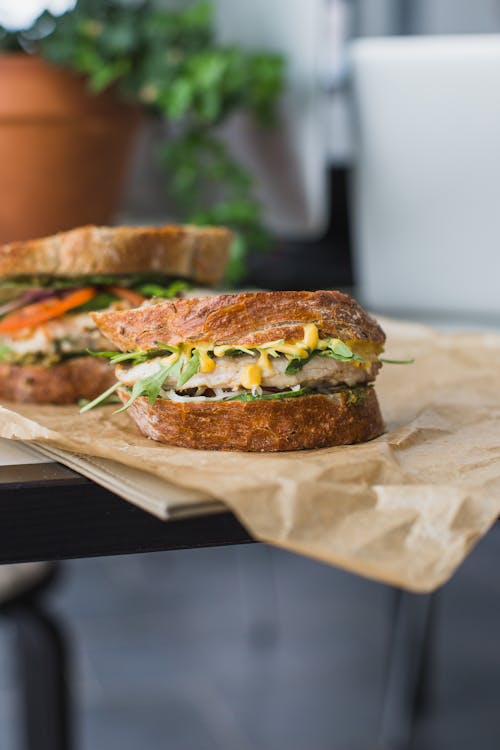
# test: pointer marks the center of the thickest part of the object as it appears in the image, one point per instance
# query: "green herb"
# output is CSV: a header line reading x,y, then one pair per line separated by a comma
x,y
297,364
191,368
397,361
135,357
101,301
166,292
340,351
4,352
152,385
269,396
64,282
100,399
112,399
239,352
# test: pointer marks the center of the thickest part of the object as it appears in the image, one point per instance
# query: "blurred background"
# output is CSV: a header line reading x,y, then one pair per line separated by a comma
x,y
352,144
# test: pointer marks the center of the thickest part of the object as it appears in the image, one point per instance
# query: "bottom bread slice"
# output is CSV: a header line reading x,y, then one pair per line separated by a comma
x,y
311,421
63,383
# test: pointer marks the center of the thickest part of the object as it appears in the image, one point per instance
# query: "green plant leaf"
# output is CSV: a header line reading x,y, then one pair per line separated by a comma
x,y
191,368
100,399
152,385
271,396
295,365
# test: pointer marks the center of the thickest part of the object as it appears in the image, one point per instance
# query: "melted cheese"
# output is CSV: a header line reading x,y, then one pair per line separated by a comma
x,y
251,376
264,362
311,336
207,364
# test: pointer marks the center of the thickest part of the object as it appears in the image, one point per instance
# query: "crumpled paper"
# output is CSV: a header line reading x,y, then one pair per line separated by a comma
x,y
404,509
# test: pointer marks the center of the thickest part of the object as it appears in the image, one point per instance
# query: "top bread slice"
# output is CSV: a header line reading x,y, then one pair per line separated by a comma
x,y
196,253
248,319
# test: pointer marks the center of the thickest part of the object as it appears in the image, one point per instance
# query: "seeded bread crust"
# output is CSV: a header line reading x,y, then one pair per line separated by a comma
x,y
306,422
248,319
196,253
65,383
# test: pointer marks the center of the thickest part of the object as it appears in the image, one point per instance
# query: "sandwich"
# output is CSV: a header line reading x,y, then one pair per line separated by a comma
x,y
49,286
260,371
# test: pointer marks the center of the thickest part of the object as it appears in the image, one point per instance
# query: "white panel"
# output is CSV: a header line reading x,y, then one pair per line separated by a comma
x,y
290,163
428,176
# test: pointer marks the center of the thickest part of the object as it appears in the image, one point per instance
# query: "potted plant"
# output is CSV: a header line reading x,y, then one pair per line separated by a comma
x,y
74,88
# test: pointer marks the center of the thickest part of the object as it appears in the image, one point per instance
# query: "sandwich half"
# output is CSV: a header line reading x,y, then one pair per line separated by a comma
x,y
49,286
263,371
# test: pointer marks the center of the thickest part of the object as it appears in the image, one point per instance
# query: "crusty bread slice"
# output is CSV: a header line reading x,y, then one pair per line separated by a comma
x,y
313,421
248,318
65,383
196,253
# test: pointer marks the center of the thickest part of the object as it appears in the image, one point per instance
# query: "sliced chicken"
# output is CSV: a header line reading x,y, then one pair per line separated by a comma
x,y
228,370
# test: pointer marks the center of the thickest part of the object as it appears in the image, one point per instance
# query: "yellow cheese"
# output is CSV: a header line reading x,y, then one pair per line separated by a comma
x,y
311,336
264,362
251,376
187,349
207,364
294,350
172,359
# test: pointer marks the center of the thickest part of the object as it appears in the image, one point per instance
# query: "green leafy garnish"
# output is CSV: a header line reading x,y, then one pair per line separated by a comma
x,y
191,368
339,351
135,357
297,364
152,385
101,301
164,291
269,396
397,361
100,399
4,352
238,352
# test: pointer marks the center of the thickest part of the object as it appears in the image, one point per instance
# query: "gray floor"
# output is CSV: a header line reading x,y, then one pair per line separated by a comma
x,y
248,647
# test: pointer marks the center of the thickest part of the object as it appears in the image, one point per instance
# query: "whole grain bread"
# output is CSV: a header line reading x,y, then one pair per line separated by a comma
x,y
247,318
196,253
64,383
313,421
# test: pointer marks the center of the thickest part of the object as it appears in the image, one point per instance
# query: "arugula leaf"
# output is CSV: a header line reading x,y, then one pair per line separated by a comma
x,y
101,301
136,357
297,364
161,290
239,351
152,385
339,357
190,369
397,361
269,396
341,349
100,399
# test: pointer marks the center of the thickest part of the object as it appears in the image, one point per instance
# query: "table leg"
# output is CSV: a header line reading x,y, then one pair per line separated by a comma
x,y
409,667
42,663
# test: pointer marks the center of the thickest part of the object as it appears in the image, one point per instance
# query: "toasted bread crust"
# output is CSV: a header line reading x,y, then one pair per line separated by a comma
x,y
197,253
313,421
65,383
248,318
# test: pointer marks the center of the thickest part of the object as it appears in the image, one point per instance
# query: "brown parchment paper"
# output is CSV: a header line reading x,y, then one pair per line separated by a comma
x,y
404,509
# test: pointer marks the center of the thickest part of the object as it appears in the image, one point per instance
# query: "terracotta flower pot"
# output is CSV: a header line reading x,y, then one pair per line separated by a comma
x,y
63,152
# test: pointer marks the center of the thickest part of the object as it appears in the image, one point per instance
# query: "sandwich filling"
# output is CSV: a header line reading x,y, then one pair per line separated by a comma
x,y
208,371
46,320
